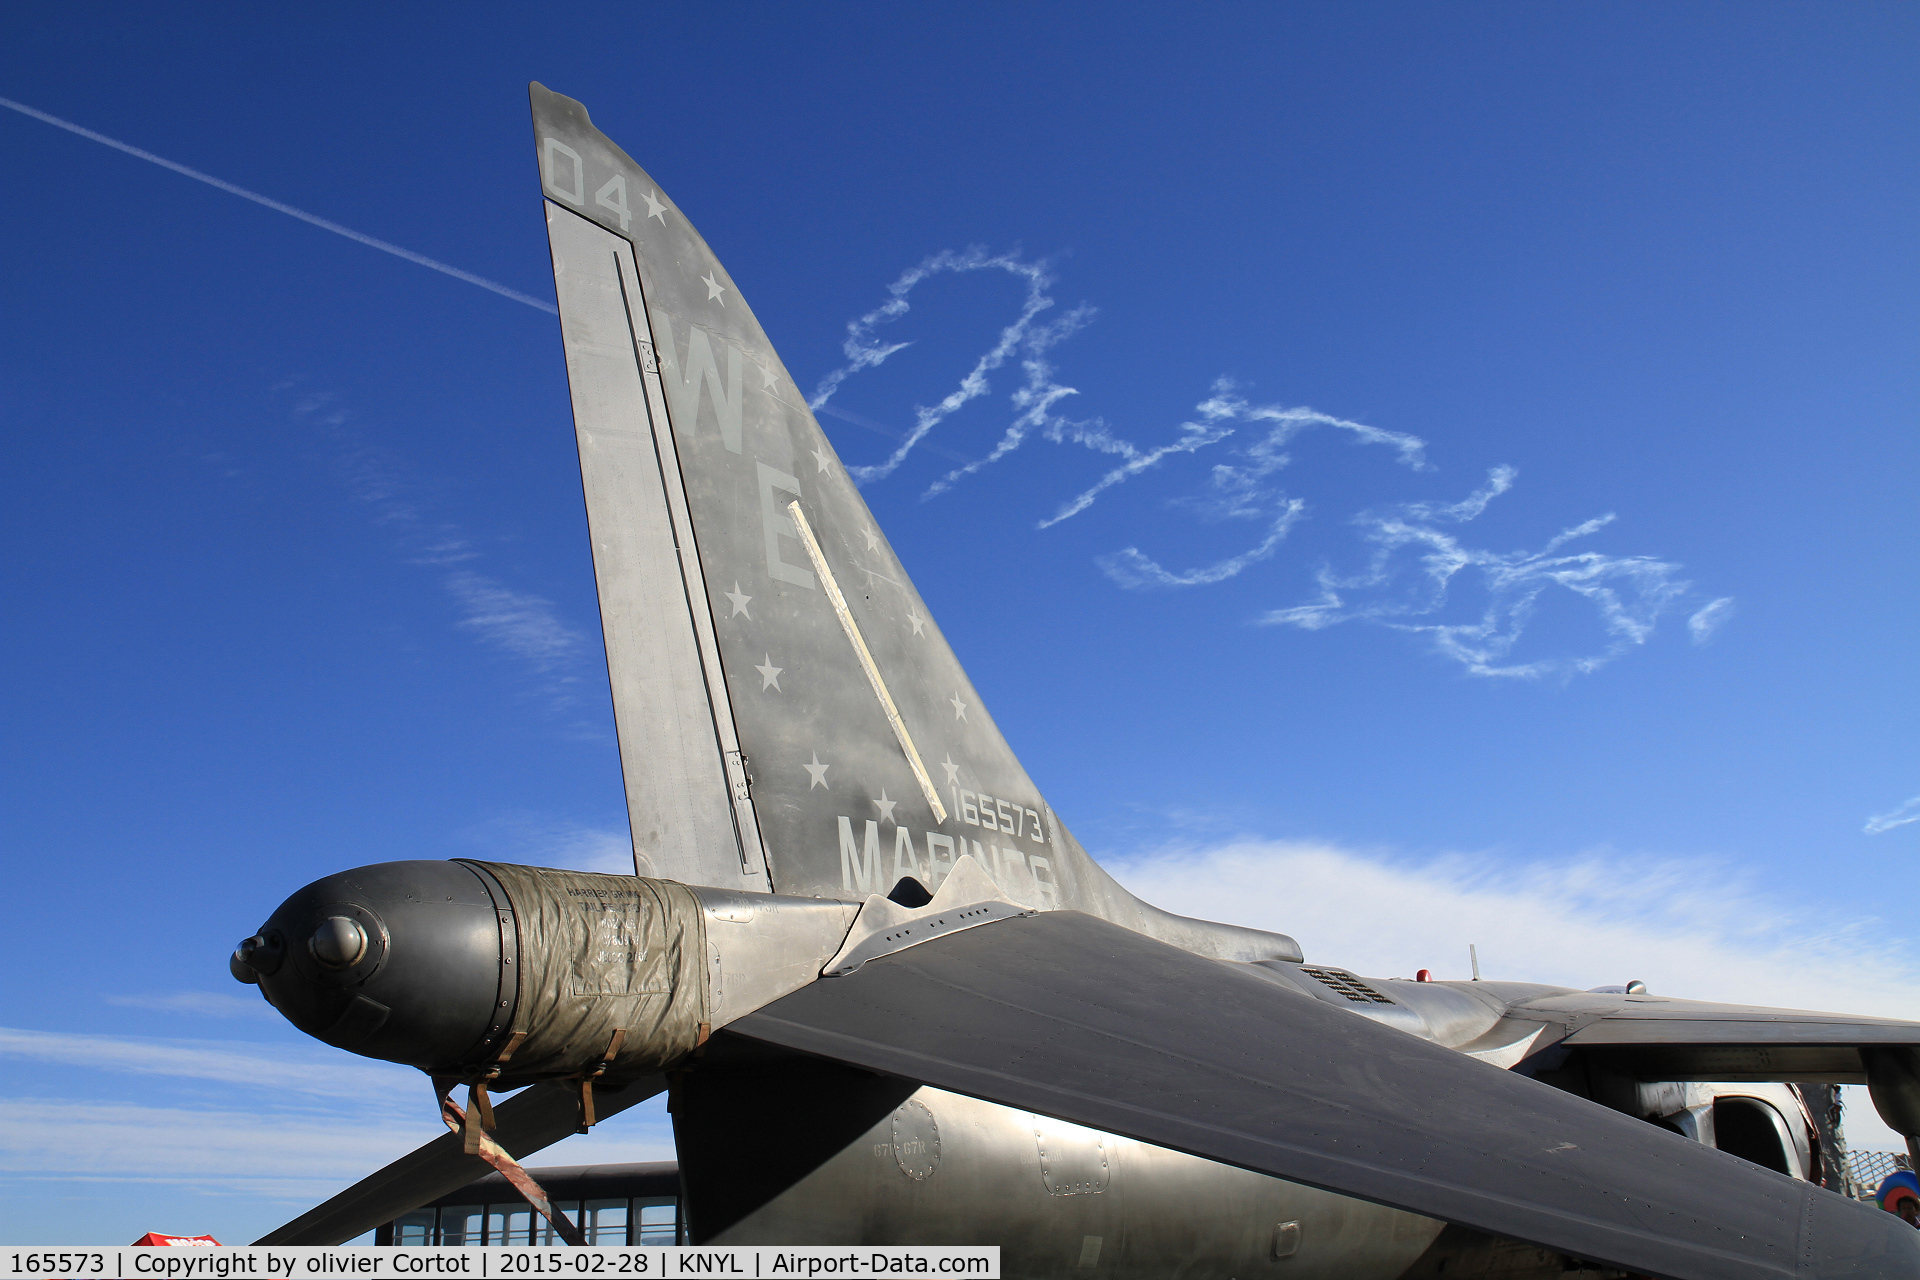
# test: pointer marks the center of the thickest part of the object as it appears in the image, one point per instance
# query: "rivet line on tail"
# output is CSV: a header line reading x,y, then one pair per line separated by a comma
x,y
852,629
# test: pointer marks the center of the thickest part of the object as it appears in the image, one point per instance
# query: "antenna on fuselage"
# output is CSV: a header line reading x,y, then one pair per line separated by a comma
x,y
1473,954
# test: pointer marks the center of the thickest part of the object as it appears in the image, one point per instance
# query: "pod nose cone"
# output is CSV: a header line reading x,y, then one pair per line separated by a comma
x,y
339,942
400,960
256,957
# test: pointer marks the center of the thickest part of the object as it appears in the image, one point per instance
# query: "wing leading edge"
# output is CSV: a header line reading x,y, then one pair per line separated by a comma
x,y
1069,1016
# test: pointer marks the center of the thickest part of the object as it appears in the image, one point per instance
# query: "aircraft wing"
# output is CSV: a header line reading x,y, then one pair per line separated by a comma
x,y
1656,1038
1066,1015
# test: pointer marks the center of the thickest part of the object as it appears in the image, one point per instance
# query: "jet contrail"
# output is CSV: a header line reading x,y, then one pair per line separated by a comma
x,y
287,209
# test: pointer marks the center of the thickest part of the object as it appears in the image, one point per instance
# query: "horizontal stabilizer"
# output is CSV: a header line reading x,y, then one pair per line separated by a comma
x,y
1065,1015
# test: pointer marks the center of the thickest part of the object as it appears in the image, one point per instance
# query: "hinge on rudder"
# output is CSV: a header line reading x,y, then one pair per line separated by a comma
x,y
738,780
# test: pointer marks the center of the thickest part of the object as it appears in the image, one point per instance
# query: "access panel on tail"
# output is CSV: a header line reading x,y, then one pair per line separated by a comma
x,y
790,717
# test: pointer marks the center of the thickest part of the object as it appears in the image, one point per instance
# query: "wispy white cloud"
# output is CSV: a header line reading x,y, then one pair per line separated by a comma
x,y
522,624
290,1158
1024,337
1416,561
537,840
588,849
448,548
1691,927
1709,619
227,1061
1193,437
1899,816
1130,568
276,1154
881,428
1240,488
206,1004
1033,399
288,1126
527,626
1418,554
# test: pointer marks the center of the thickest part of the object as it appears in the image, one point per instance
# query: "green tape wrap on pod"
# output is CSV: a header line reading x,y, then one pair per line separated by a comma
x,y
601,954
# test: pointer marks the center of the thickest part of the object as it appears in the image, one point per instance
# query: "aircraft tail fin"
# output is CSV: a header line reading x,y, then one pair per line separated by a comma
x,y
790,717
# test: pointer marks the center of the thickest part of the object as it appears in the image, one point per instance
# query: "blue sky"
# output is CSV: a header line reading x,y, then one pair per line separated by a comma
x,y
1608,307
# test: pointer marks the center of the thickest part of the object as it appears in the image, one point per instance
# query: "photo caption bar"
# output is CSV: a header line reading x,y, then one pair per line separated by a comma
x,y
295,1262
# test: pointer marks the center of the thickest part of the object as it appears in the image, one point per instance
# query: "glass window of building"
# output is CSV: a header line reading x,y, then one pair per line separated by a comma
x,y
605,1221
509,1223
656,1220
414,1228
461,1224
543,1230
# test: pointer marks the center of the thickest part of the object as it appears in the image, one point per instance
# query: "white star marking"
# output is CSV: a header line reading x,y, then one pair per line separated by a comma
x,y
739,601
769,675
953,770
918,623
818,772
654,207
959,707
767,378
821,456
873,543
885,806
714,289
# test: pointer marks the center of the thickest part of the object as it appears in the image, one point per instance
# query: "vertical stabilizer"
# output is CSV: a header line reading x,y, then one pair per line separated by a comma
x,y
790,716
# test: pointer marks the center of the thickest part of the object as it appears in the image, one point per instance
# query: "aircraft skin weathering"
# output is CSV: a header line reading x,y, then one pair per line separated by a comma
x,y
893,998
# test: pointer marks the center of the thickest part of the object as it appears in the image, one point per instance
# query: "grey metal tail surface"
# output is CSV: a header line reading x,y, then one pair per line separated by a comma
x,y
790,717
